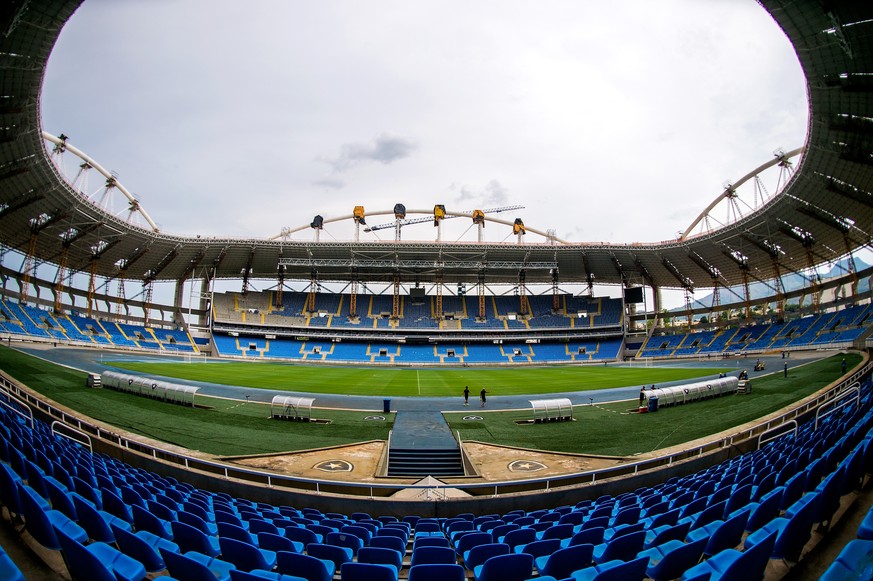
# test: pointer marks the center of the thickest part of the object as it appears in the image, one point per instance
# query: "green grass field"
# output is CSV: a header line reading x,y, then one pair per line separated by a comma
x,y
231,427
397,382
610,430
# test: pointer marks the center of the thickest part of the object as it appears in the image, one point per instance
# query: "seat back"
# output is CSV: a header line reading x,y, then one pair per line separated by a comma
x,y
626,516
752,562
338,555
243,555
306,566
563,562
230,530
588,536
114,505
82,563
392,531
359,531
257,525
499,532
349,541
678,533
625,547
381,556
182,567
136,548
432,555
367,572
276,543
302,535
632,570
91,520
480,553
36,520
679,560
540,548
192,539
509,567
739,498
395,543
60,499
558,531
145,520
710,514
797,531
727,535
437,572
513,538
9,481
766,510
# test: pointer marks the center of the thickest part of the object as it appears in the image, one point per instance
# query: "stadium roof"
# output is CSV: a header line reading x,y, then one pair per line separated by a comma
x,y
825,211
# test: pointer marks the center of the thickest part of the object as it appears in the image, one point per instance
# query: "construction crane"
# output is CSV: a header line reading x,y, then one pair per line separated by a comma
x,y
397,224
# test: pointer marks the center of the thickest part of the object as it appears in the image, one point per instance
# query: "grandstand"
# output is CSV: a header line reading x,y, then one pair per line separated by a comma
x,y
487,304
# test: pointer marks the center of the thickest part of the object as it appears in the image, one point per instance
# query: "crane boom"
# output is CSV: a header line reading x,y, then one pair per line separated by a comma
x,y
461,214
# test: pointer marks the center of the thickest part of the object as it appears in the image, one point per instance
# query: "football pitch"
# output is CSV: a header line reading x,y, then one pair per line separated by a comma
x,y
229,427
413,382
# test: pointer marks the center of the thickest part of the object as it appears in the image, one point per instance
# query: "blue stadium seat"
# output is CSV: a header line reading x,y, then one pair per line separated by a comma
x,y
733,565
855,561
437,572
98,561
194,566
507,567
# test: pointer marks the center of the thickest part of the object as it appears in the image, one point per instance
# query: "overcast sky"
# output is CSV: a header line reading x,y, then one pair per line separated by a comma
x,y
611,121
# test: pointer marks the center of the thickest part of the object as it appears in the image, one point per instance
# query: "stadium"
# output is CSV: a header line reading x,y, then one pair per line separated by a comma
x,y
303,406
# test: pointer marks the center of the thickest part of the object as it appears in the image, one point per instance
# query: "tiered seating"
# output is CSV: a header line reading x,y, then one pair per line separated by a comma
x,y
18,315
364,352
33,322
692,342
746,336
114,521
501,312
661,345
824,329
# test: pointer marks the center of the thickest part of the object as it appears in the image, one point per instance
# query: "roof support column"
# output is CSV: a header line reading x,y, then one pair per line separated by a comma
x,y
205,305
178,296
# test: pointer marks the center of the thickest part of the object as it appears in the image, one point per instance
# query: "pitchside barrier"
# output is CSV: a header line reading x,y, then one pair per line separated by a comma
x,y
152,388
687,393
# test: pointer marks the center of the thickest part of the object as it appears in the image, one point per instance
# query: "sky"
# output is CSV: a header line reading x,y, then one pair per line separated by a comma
x,y
608,121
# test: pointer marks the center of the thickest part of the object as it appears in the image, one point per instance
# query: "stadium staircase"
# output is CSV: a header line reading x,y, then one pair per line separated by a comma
x,y
421,444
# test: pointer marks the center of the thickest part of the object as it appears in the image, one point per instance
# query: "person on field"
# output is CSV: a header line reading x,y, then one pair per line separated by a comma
x,y
642,395
466,395
482,397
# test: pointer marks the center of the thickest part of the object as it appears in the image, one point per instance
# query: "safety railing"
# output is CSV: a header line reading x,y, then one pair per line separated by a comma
x,y
850,395
85,441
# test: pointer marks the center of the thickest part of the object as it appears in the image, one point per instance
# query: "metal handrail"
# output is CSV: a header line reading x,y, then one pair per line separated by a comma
x,y
27,416
87,441
545,483
781,432
849,395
